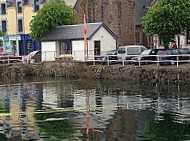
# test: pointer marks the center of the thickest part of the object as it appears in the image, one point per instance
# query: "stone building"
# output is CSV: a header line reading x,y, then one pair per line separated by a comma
x,y
118,15
141,8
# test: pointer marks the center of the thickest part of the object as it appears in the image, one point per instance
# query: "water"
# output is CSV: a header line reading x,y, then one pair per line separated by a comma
x,y
89,110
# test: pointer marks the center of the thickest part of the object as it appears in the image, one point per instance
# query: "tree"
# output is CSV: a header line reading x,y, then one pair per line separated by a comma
x,y
1,33
51,15
167,18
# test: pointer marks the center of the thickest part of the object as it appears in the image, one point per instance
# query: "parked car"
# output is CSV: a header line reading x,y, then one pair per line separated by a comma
x,y
9,57
153,55
145,57
128,52
111,55
184,54
173,58
33,57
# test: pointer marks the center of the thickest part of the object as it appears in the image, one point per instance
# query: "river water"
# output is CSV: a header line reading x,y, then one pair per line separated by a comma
x,y
91,110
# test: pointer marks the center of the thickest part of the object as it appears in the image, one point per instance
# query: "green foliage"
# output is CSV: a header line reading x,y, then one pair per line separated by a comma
x,y
53,14
167,18
59,129
1,34
168,129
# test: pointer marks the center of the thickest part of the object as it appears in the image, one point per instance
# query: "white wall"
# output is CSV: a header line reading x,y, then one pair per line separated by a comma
x,y
181,41
107,41
78,50
48,51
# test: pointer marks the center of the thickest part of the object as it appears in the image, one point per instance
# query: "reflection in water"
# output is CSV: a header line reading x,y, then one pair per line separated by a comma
x,y
168,127
89,110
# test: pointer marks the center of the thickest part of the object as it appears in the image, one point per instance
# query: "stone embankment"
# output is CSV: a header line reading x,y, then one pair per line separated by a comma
x,y
152,74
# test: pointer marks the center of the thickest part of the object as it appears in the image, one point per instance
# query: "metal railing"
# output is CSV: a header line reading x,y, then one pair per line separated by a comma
x,y
159,59
105,59
9,58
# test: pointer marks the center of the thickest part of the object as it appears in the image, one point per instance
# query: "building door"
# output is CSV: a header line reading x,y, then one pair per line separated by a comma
x,y
21,48
97,48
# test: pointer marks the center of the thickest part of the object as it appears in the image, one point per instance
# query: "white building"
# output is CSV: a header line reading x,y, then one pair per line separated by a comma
x,y
69,39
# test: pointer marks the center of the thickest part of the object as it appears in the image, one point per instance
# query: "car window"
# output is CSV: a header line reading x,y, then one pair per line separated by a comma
x,y
175,52
121,50
142,49
32,53
133,50
112,52
160,52
146,52
168,52
183,51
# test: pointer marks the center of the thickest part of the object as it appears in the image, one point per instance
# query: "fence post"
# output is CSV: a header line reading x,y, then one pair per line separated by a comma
x,y
139,62
74,54
177,61
108,60
158,61
54,55
8,59
123,61
45,55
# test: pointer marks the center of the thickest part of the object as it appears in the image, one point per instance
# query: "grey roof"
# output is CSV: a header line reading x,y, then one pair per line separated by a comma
x,y
141,8
74,32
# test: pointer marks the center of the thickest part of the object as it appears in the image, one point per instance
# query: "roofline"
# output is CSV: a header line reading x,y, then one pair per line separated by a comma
x,y
75,4
63,40
103,25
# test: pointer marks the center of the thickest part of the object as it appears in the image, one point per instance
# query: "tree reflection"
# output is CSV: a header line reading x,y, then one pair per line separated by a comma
x,y
60,129
3,137
168,128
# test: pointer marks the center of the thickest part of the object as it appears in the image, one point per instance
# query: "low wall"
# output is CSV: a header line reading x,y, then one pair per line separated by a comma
x,y
152,74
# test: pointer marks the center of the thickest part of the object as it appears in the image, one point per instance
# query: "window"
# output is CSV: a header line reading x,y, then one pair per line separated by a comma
x,y
97,48
3,9
29,46
133,50
19,7
137,37
36,5
110,19
121,50
4,26
188,37
20,25
65,47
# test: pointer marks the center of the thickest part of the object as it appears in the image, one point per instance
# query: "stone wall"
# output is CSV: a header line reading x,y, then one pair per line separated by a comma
x,y
118,15
151,74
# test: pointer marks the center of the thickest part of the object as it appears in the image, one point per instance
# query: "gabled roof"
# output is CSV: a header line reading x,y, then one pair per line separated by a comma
x,y
70,3
141,8
74,32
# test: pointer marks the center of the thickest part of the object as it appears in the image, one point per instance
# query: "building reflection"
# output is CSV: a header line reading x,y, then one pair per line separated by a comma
x,y
19,122
66,110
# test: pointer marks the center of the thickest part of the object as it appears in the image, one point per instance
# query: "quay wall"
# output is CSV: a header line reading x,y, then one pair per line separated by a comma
x,y
146,73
